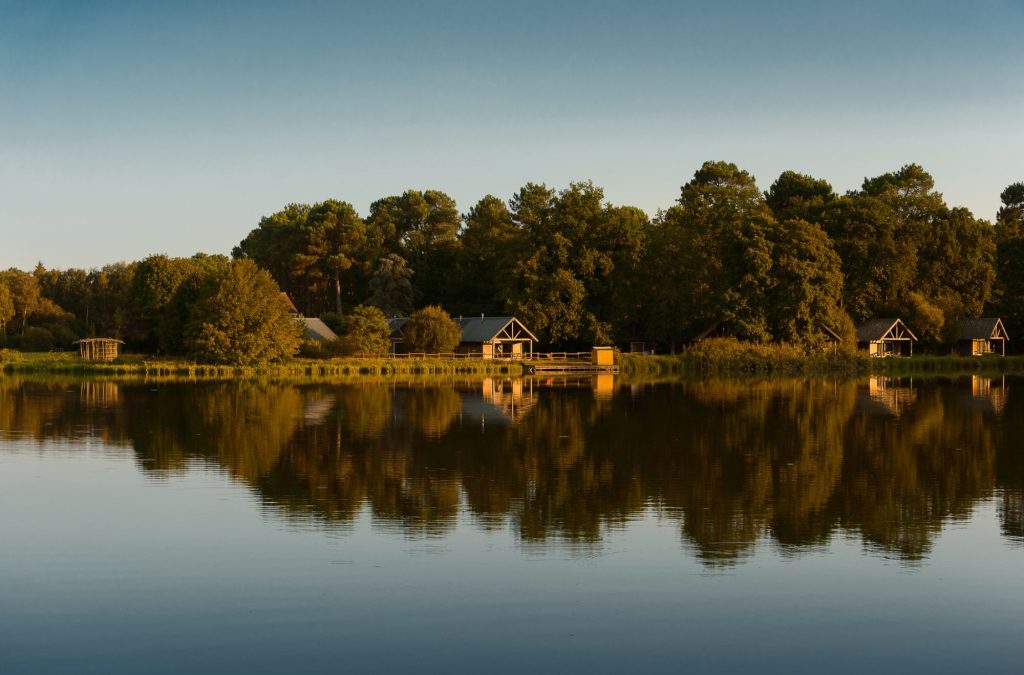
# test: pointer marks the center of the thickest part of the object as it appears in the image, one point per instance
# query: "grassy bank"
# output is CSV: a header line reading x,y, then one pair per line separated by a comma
x,y
17,363
729,357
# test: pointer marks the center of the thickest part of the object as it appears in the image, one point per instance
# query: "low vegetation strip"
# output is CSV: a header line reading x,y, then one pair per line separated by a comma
x,y
731,357
63,363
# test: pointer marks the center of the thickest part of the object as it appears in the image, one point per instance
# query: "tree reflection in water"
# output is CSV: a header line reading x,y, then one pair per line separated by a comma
x,y
733,463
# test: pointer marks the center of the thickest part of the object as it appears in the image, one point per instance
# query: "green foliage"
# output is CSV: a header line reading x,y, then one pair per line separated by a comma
x,y
365,332
711,257
334,321
422,228
567,268
6,306
35,339
807,285
431,331
765,267
1009,240
795,196
25,293
320,254
391,286
240,319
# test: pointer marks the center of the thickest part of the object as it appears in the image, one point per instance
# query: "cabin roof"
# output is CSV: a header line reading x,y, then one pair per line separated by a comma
x,y
876,329
397,324
985,328
483,328
318,330
97,340
288,303
831,333
476,329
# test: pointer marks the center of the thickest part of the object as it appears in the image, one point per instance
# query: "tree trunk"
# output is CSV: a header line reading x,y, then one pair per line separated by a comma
x,y
337,293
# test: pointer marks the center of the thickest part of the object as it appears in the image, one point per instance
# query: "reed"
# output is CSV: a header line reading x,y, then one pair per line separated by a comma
x,y
16,363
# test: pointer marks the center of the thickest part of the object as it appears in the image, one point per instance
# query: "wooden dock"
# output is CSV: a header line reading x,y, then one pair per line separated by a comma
x,y
577,363
576,368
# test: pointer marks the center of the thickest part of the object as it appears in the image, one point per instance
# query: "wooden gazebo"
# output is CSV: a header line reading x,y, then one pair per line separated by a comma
x,y
98,349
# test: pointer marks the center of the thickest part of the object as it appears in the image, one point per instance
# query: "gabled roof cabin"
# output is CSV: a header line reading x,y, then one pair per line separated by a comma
x,y
981,337
886,337
490,337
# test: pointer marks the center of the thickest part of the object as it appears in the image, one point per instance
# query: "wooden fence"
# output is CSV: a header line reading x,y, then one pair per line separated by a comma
x,y
537,356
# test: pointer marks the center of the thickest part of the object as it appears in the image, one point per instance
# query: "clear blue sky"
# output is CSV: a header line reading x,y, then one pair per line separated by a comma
x,y
129,128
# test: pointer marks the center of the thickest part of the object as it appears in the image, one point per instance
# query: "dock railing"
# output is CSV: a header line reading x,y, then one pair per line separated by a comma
x,y
536,356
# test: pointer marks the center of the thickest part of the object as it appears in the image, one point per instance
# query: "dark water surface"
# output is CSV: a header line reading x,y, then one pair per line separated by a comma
x,y
544,526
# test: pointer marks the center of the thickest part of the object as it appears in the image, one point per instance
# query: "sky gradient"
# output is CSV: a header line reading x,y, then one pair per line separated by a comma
x,y
135,128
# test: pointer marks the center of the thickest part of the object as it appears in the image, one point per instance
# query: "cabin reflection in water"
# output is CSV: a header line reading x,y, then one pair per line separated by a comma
x,y
889,395
990,391
498,401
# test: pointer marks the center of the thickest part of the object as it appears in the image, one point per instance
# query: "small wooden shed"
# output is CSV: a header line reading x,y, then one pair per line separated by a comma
x,y
98,349
603,357
982,337
885,337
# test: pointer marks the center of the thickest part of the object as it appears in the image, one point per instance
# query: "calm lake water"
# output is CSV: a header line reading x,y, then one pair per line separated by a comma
x,y
509,526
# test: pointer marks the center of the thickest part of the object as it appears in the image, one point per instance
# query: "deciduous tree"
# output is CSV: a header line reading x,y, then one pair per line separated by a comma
x,y
432,330
240,319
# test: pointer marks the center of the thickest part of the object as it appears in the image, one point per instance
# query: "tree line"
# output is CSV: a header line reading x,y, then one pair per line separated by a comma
x,y
773,265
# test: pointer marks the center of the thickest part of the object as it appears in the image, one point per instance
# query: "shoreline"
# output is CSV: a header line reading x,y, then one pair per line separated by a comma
x,y
748,361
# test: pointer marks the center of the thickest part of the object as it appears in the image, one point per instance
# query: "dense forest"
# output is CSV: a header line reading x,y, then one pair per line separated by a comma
x,y
767,266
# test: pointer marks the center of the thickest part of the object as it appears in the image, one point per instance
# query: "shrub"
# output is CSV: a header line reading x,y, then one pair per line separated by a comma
x,y
240,319
36,339
335,322
431,330
365,331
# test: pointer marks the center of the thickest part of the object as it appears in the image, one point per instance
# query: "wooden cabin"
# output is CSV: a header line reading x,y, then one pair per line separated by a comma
x,y
885,337
98,349
982,337
312,328
489,337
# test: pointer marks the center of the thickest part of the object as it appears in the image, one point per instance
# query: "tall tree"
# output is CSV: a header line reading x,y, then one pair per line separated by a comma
x,y
26,295
6,307
807,285
571,250
490,246
334,240
391,286
1009,237
711,257
422,227
798,196
154,285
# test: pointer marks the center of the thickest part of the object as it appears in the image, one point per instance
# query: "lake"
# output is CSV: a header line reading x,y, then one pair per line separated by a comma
x,y
542,525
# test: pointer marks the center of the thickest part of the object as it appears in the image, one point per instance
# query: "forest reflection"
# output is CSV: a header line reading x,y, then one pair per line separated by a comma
x,y
730,463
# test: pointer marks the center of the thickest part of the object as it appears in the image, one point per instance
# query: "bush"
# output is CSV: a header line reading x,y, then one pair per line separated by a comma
x,y
240,319
36,339
335,322
366,332
432,331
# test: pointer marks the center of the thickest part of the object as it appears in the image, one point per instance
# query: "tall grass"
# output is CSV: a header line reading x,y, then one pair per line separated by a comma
x,y
732,357
68,364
